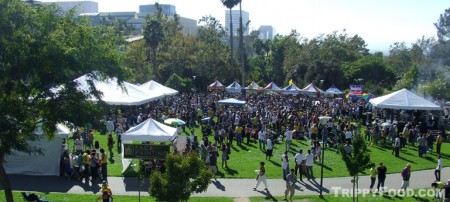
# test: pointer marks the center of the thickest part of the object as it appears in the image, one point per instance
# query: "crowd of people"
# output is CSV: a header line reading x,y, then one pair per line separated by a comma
x,y
265,120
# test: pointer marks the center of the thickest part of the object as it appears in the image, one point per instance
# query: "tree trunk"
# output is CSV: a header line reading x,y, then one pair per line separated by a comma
x,y
4,180
354,184
155,65
231,40
357,183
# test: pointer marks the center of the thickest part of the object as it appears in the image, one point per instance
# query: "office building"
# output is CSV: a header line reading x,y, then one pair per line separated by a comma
x,y
235,15
266,32
166,9
80,6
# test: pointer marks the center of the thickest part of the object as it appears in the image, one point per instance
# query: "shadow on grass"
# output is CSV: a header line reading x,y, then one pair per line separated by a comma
x,y
230,171
244,148
324,166
274,163
251,145
420,199
268,195
403,158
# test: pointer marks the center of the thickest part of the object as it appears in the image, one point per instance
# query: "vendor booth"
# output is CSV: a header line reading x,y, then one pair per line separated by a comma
x,y
47,164
157,88
147,131
235,87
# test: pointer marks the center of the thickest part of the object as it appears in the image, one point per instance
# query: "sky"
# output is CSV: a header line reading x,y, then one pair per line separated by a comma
x,y
379,22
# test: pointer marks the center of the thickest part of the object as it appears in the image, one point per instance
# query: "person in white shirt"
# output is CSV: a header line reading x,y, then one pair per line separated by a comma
x,y
437,171
348,134
262,139
269,148
288,135
285,164
110,126
299,157
309,165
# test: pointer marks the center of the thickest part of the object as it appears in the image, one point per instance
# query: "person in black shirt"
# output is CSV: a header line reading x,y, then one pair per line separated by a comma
x,y
381,170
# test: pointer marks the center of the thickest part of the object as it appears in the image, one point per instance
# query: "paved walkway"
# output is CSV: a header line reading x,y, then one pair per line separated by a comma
x,y
220,188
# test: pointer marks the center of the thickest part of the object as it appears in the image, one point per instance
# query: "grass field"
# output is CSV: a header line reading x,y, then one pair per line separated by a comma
x,y
244,160
61,197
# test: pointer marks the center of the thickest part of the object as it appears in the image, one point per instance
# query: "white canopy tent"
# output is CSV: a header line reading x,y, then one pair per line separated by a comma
x,y
231,101
147,131
155,87
403,99
114,94
47,164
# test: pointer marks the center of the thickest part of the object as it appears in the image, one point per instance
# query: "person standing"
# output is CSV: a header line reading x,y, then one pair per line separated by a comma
x,y
288,135
309,165
437,171
261,177
373,175
381,171
110,145
110,126
421,145
224,155
290,185
285,164
406,174
262,139
439,140
299,157
269,151
103,163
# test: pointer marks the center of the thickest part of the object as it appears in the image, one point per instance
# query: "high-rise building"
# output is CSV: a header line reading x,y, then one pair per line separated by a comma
x,y
266,32
235,15
80,6
167,9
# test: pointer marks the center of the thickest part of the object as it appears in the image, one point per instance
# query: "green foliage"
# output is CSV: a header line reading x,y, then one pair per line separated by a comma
x,y
184,175
176,82
371,69
410,79
42,48
359,159
153,35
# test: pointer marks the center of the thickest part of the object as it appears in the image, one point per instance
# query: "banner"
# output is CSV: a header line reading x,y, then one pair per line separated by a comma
x,y
145,151
356,89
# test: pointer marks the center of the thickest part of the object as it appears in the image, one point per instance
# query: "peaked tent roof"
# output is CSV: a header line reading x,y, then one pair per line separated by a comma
x,y
311,88
113,94
403,99
291,89
272,86
151,130
231,101
252,86
234,87
154,86
216,85
334,90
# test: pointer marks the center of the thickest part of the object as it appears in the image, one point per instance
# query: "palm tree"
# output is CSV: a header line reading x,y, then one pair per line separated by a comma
x,y
230,4
153,35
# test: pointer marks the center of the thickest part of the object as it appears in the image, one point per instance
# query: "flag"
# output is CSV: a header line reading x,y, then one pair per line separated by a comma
x,y
291,82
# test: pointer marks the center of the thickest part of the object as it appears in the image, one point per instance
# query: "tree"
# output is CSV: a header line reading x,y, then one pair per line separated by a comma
x,y
358,160
410,79
371,69
153,35
41,48
183,176
230,4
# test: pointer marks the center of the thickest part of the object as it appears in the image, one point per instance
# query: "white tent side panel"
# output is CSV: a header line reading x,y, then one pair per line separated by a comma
x,y
34,164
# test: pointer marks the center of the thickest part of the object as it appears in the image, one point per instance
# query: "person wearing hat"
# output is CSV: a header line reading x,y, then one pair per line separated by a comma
x,y
406,174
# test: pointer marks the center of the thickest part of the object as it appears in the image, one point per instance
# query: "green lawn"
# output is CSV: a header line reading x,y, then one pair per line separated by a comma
x,y
244,160
60,197
361,198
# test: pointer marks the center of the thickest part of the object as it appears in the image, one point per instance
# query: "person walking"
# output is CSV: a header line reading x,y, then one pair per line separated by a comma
x,y
406,174
285,164
103,164
261,177
110,145
373,175
309,165
381,172
299,158
290,185
437,171
213,163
